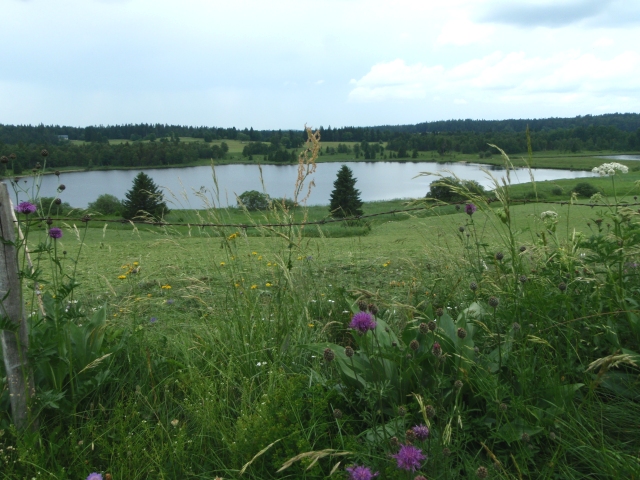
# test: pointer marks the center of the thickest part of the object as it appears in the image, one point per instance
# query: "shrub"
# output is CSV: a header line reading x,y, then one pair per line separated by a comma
x,y
445,188
585,189
557,190
107,204
254,200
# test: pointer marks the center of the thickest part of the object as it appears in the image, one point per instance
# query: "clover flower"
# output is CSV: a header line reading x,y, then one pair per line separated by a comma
x,y
362,322
55,233
609,169
409,457
358,472
94,476
26,208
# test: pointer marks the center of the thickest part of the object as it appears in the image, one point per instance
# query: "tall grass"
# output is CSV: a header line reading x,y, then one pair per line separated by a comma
x,y
510,333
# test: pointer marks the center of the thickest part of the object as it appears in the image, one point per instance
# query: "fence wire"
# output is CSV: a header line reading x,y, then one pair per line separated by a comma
x,y
324,221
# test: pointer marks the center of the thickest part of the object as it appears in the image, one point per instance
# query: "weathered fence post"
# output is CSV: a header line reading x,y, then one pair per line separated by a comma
x,y
15,342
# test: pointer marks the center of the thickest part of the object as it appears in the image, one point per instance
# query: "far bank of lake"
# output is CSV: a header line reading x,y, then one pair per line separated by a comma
x,y
185,187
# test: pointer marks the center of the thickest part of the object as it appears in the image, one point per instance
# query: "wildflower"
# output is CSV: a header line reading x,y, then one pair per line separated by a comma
x,y
175,422
222,264
94,476
348,351
458,384
394,441
55,233
267,284
170,301
610,169
562,286
549,214
421,432
373,308
482,472
362,322
461,229
493,302
470,209
328,355
122,277
358,472
402,411
436,349
153,320
424,328
432,325
499,256
260,257
254,253
473,286
462,333
362,305
409,457
523,279
409,436
439,311
166,287
254,286
26,208
414,345
337,414
310,325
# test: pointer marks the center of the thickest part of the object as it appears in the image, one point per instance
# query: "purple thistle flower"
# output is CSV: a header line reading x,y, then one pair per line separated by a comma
x,y
409,457
362,322
470,208
94,476
421,431
26,208
358,472
153,320
55,233
170,301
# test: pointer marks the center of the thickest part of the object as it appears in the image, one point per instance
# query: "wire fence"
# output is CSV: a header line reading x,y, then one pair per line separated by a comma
x,y
324,221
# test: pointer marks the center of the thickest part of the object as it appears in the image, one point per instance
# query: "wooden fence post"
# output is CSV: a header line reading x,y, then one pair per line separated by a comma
x,y
15,343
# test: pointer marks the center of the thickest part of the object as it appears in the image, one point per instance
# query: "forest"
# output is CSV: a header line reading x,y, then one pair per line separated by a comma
x,y
146,145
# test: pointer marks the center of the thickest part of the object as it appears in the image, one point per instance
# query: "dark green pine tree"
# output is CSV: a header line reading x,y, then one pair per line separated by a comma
x,y
144,196
345,198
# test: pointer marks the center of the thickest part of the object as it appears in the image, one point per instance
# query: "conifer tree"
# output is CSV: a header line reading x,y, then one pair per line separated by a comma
x,y
144,196
345,198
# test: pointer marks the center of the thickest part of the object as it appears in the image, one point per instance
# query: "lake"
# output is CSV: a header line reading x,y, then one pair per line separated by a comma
x,y
375,180
620,157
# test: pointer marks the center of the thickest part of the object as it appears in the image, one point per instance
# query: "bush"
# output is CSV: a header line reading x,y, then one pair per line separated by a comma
x,y
445,189
254,200
585,189
557,191
107,204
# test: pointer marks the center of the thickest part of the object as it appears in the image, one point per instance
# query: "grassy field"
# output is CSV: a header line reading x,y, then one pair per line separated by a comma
x,y
500,340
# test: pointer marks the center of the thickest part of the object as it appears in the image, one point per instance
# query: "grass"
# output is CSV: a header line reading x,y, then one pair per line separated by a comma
x,y
214,358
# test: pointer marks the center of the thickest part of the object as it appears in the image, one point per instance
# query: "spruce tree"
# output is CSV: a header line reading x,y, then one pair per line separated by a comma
x,y
345,198
144,196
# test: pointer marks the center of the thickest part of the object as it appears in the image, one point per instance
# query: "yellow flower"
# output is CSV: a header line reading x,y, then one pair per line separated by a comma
x,y
268,264
125,266
149,295
311,325
253,287
299,258
267,284
122,277
260,257
135,264
254,253
237,285
166,287
222,264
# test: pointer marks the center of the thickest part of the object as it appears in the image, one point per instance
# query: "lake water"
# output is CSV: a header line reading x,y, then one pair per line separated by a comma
x,y
621,157
184,187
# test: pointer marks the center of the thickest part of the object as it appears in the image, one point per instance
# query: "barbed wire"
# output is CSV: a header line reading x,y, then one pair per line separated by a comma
x,y
324,221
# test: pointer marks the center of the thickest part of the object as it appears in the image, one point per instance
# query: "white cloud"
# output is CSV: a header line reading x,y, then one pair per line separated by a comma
x,y
567,77
460,101
603,42
461,31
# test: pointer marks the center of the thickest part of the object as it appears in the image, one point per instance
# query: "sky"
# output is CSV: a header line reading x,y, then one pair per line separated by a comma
x,y
286,63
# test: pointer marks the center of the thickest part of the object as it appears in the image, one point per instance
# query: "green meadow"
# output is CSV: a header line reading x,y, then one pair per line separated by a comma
x,y
495,341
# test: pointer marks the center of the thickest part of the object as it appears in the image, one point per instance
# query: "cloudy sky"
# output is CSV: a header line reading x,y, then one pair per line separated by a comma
x,y
286,63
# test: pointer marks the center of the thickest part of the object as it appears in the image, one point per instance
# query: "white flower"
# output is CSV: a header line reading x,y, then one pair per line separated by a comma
x,y
549,214
610,169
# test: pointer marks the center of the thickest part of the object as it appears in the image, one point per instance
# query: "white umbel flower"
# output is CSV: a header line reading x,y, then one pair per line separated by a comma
x,y
610,169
